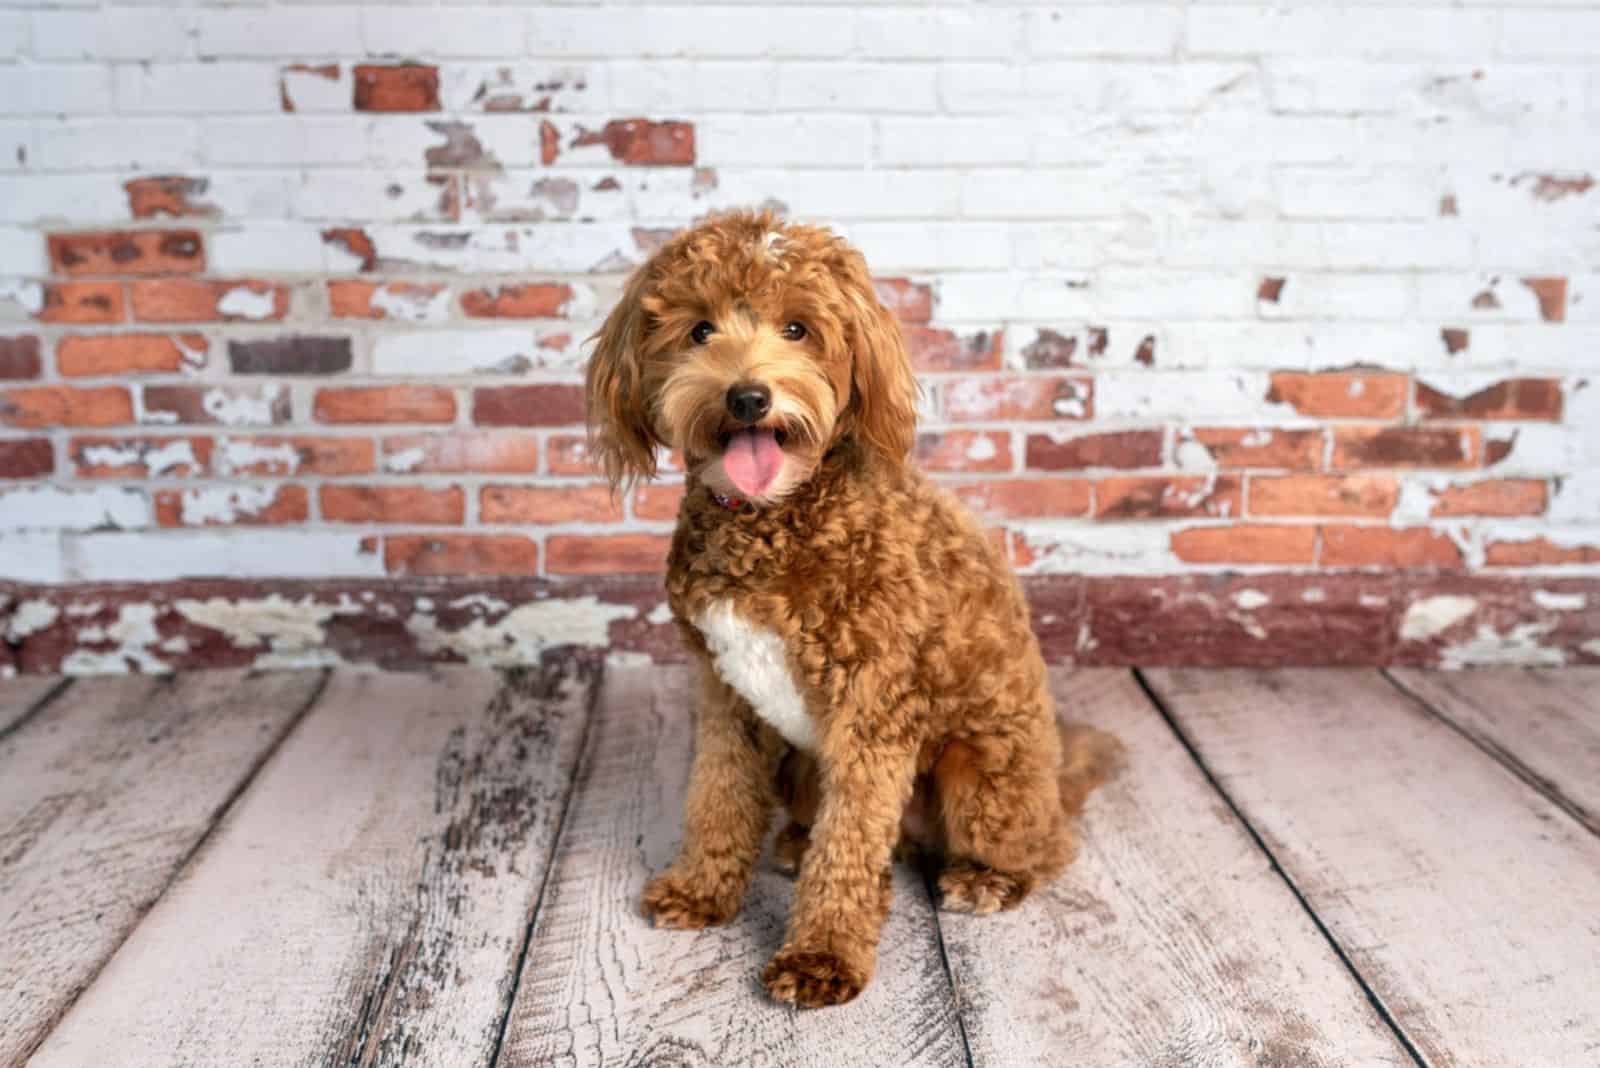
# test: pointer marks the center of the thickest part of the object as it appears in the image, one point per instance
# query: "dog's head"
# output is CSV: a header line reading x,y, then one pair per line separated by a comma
x,y
753,346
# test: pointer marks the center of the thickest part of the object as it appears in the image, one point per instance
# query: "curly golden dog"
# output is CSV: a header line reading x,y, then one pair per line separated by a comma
x,y
866,650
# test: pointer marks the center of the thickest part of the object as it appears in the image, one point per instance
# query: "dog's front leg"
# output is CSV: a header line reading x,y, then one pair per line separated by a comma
x,y
732,792
842,895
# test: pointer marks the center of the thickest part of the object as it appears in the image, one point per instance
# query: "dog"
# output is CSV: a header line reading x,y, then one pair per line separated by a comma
x,y
866,653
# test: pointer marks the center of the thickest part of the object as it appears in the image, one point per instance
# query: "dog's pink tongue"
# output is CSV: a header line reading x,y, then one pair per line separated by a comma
x,y
753,460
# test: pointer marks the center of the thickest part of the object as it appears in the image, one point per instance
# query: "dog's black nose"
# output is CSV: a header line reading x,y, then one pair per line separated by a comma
x,y
748,402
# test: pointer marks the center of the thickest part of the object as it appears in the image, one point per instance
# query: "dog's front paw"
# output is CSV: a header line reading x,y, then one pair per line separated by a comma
x,y
670,900
812,979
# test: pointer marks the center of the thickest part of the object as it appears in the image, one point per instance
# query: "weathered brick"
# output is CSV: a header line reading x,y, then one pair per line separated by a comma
x,y
385,404
82,302
19,358
168,195
1341,395
1051,349
296,355
1513,398
461,452
608,554
568,454
537,405
1354,495
139,252
964,450
354,242
140,457
1493,497
1552,296
548,504
80,356
641,142
1245,543
1387,547
219,506
404,87
1168,496
658,501
26,458
392,504
1034,498
410,301
216,405
1019,397
911,302
1115,448
460,554
295,455
1405,446
1237,447
532,301
193,300
944,350
1539,552
44,406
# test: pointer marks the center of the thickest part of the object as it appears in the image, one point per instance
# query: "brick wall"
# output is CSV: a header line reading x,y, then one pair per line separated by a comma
x,y
301,289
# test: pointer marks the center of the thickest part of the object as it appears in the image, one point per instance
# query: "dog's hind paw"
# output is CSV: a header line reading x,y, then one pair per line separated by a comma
x,y
670,902
968,887
812,980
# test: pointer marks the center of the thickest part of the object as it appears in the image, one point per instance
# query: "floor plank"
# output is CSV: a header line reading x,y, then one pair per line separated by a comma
x,y
367,900
21,695
1169,941
103,794
602,987
1544,724
1466,899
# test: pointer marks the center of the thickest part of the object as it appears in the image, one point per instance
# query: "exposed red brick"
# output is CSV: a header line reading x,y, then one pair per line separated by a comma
x,y
1552,296
944,350
193,300
1235,447
392,504
568,454
353,299
538,405
1340,395
460,554
533,301
26,458
1555,186
1168,496
288,504
1513,398
549,142
911,302
326,71
1145,354
138,457
78,356
964,450
1019,397
1486,300
167,194
404,87
19,358
609,554
354,241
1409,547
82,302
548,504
641,142
1498,448
461,452
1539,552
142,252
1405,446
34,407
1455,339
1493,497
385,404
1270,290
299,455
657,501
1252,543
1031,498
1448,205
1116,448
1050,350
1354,495
199,405
294,355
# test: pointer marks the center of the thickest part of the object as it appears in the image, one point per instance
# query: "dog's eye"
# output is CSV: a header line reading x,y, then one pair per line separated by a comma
x,y
702,332
794,331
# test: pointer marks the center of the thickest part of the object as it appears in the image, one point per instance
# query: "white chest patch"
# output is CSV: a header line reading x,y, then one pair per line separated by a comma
x,y
751,659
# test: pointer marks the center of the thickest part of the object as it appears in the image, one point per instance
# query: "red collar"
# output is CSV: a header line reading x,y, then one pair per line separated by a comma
x,y
732,504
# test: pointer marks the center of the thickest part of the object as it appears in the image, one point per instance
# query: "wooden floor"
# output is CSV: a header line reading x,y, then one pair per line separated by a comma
x,y
1298,867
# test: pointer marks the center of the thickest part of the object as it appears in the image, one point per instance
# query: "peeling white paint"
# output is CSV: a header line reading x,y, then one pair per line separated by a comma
x,y
235,454
30,617
982,448
1372,600
157,459
1190,455
1249,624
404,461
1592,647
135,635
275,623
193,359
412,304
29,296
481,602
241,408
1415,505
1250,600
225,504
524,632
1560,602
1434,615
1314,595
1518,646
243,302
661,613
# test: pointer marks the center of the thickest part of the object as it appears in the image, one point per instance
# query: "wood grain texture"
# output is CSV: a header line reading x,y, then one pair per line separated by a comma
x,y
103,794
1543,724
602,987
21,695
366,901
1170,941
1466,899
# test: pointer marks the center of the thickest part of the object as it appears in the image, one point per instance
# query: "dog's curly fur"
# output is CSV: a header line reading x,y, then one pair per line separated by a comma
x,y
901,627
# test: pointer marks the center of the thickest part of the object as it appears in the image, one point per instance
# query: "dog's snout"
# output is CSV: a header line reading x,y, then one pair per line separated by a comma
x,y
748,402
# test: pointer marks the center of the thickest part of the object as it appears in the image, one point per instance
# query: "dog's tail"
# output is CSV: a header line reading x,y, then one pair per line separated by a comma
x,y
1089,758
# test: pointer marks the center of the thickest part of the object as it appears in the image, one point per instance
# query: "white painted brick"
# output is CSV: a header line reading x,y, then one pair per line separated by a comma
x,y
198,88
1170,295
497,140
141,34
27,556
671,87
1124,87
1041,194
14,36
1097,548
362,195
570,247
891,246
76,89
531,87
21,252
953,141
1106,30
54,508
297,35
268,248
770,141
285,141
16,145
442,353
537,196
317,87
154,557
1550,34
1317,193
570,32
125,144
895,87
912,33
1400,32
1183,395
453,31
78,198
1534,347
1343,297
1576,499
1476,298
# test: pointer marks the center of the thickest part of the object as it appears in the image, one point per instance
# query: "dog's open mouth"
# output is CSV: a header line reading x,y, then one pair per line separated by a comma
x,y
753,458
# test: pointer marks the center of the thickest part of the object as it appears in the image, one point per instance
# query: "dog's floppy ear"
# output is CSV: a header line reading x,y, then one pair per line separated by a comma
x,y
883,388
620,434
